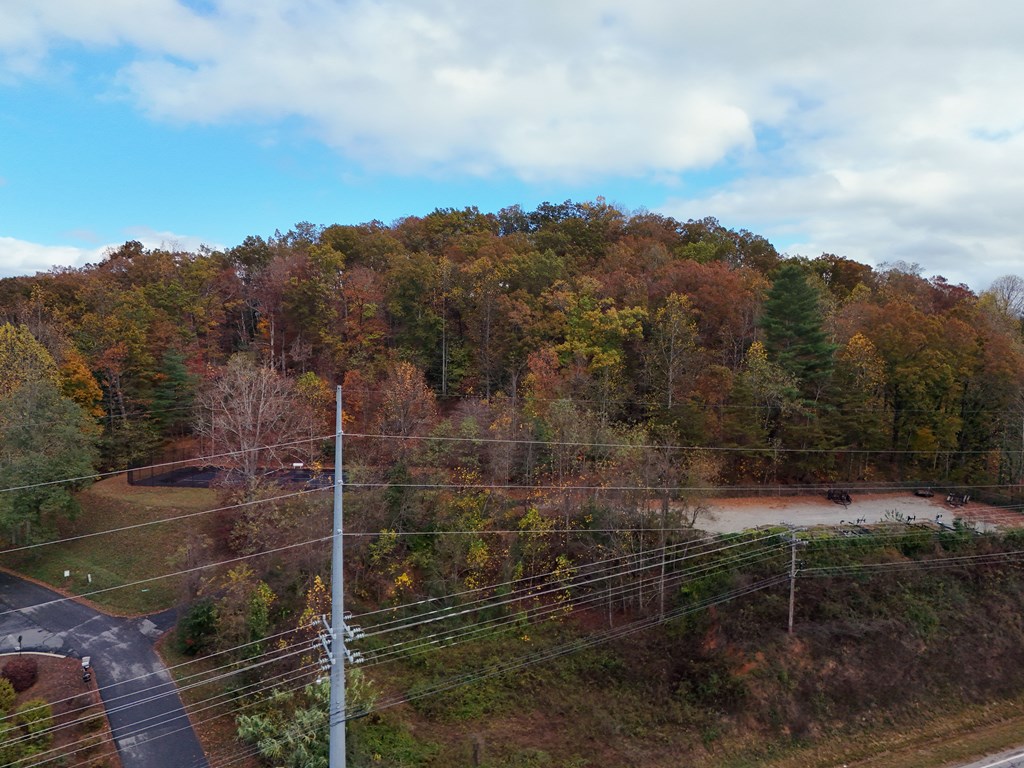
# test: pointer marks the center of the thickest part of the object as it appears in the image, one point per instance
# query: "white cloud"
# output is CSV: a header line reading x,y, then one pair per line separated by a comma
x,y
874,129
20,257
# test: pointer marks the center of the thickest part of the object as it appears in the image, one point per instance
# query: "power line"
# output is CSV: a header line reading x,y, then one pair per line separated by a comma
x,y
159,673
418,645
956,560
182,572
578,645
515,596
112,473
490,587
173,519
172,689
672,447
524,441
539,657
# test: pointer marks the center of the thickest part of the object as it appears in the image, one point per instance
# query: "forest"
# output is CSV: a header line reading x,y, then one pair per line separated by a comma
x,y
572,318
510,377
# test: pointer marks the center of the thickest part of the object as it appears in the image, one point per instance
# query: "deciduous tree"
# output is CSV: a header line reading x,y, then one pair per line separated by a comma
x,y
44,437
247,416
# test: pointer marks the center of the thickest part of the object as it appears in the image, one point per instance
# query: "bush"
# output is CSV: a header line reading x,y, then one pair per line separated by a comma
x,y
197,628
22,671
7,695
35,718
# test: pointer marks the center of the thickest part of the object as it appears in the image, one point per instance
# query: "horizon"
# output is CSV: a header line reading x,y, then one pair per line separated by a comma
x,y
867,132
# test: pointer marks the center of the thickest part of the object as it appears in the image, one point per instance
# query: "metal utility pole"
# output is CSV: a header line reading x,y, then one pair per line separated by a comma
x,y
793,544
792,581
336,711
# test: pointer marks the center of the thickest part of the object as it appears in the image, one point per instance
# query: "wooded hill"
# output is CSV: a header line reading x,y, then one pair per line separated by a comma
x,y
536,405
554,324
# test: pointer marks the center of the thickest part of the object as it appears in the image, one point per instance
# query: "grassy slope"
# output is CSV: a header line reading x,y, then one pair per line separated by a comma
x,y
118,559
887,670
725,690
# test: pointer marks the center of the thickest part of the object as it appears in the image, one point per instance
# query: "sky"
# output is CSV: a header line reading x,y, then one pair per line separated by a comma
x,y
883,131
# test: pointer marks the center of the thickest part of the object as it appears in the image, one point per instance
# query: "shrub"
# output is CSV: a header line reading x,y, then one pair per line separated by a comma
x,y
22,671
7,695
197,628
35,717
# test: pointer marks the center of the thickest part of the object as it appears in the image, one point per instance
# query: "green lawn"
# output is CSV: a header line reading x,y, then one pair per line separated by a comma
x,y
113,560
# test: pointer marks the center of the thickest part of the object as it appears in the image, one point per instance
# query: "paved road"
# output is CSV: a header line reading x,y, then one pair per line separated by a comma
x,y
1012,759
149,724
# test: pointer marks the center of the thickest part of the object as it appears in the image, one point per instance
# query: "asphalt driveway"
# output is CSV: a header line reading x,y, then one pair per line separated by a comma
x,y
149,723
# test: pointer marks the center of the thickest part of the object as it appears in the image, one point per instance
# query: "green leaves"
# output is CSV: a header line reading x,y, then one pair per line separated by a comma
x,y
44,437
794,337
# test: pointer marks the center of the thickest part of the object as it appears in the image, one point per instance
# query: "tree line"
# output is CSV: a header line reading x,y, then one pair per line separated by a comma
x,y
556,324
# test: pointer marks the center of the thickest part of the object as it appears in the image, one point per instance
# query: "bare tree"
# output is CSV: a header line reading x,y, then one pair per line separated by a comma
x,y
1008,294
407,411
249,417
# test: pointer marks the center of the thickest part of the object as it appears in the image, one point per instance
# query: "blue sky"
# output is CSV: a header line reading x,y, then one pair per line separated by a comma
x,y
867,130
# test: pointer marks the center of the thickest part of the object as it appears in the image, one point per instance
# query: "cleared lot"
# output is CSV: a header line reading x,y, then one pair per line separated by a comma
x,y
737,514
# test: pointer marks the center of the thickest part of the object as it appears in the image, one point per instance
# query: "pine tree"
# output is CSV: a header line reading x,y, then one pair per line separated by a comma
x,y
794,337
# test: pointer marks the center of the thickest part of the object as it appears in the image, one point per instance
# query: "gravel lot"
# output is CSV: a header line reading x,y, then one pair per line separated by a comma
x,y
737,514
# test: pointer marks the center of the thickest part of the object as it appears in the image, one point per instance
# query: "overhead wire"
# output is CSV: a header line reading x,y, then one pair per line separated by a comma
x,y
504,599
530,615
172,519
695,544
326,538
170,668
181,572
559,591
135,729
550,654
161,465
971,558
578,645
248,667
165,689
477,439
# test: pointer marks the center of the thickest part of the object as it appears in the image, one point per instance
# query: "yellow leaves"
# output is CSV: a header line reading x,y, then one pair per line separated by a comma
x,y
534,522
78,384
383,546
478,558
23,359
861,358
403,582
757,355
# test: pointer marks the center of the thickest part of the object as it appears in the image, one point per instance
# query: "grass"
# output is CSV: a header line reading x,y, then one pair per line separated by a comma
x,y
102,567
942,738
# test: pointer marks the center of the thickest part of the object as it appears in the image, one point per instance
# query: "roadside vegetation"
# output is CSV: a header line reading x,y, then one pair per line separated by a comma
x,y
140,557
538,405
45,707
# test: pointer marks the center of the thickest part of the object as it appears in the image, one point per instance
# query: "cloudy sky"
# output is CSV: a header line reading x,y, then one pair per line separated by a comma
x,y
881,131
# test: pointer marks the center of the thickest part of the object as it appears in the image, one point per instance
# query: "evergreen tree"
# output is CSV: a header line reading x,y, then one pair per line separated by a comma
x,y
793,333
174,394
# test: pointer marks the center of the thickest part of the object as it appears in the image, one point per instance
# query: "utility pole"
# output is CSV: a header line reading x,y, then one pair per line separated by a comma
x,y
792,577
336,710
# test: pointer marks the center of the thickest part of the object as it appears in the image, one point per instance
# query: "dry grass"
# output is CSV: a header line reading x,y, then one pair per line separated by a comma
x,y
951,737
